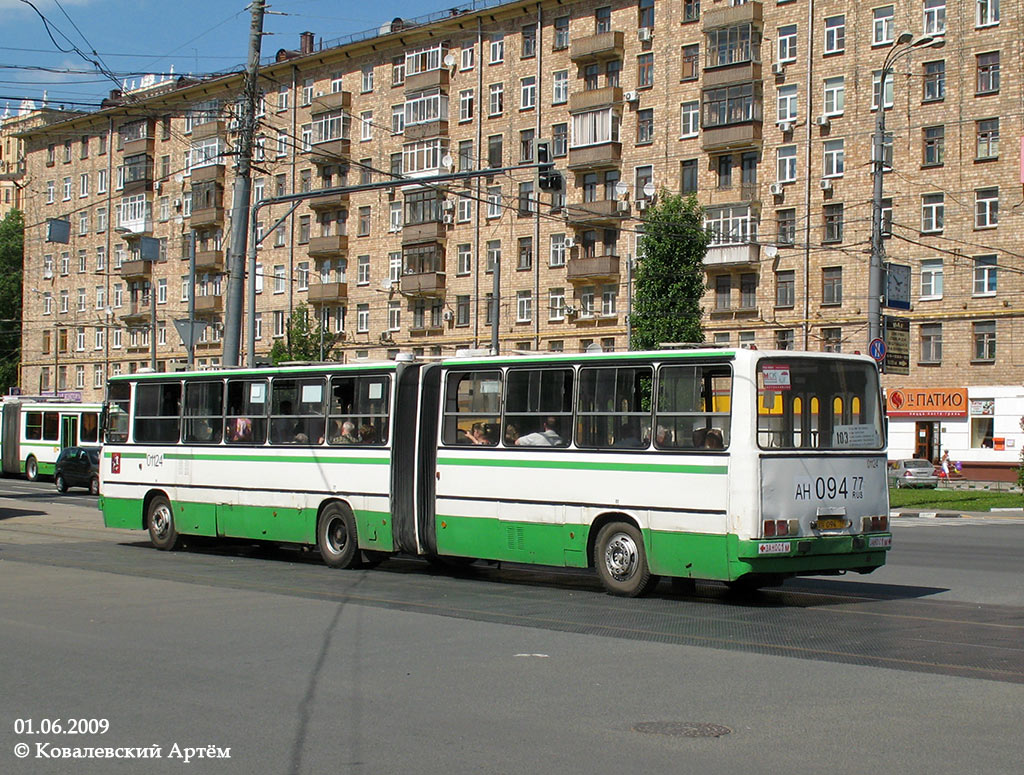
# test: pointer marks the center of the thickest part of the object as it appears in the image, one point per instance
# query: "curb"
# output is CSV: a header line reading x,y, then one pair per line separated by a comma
x,y
927,514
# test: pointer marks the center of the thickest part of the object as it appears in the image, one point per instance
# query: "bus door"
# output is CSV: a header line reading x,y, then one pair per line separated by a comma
x,y
11,437
404,408
68,430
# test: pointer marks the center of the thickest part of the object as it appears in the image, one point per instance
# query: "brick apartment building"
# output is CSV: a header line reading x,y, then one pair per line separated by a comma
x,y
764,110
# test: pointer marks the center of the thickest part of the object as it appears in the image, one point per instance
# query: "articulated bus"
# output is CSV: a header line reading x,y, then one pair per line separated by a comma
x,y
746,467
35,430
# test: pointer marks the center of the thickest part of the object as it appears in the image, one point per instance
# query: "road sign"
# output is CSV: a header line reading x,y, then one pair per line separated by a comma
x,y
897,345
877,350
189,334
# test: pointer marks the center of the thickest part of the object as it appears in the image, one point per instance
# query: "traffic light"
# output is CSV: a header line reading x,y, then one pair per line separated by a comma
x,y
548,178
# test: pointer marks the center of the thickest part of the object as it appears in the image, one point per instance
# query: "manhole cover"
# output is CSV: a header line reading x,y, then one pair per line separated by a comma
x,y
681,729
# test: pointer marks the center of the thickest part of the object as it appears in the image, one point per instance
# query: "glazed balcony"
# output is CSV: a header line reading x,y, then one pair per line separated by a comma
x,y
597,48
327,247
592,268
328,293
424,284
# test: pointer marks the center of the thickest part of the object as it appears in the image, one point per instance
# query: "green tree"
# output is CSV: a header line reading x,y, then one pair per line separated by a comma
x,y
12,254
304,340
669,274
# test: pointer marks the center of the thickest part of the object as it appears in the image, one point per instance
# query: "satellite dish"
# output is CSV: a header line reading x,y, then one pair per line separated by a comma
x,y
621,189
771,251
449,60
179,178
594,347
447,161
649,189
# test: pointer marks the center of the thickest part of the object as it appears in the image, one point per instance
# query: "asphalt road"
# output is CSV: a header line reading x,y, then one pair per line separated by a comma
x,y
918,668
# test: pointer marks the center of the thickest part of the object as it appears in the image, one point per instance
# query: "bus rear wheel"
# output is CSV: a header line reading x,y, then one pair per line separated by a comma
x,y
31,469
160,521
621,560
336,536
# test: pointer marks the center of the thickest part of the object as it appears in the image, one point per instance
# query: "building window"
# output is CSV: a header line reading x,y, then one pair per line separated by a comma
x,y
689,122
833,223
835,96
786,226
748,290
933,146
931,279
985,279
787,43
464,259
493,255
832,340
362,318
556,256
934,81
786,168
364,222
787,103
645,71
524,306
723,292
835,34
834,158
832,285
987,131
688,176
986,208
877,92
561,38
559,140
525,253
691,63
785,288
497,49
985,340
496,102
934,17
526,138
527,92
645,126
363,270
987,12
933,212
988,73
931,343
560,87
882,30
494,202
528,41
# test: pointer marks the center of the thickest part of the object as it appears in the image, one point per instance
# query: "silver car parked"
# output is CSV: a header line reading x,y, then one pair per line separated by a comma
x,y
912,473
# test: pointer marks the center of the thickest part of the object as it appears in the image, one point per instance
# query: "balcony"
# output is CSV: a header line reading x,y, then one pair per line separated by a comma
x,y
137,177
209,305
595,156
133,228
328,293
738,255
12,170
426,130
325,103
206,216
141,145
743,193
209,261
137,270
741,72
431,231
207,172
209,129
137,314
603,212
326,247
424,284
594,98
592,269
597,48
732,136
334,201
431,79
735,14
330,151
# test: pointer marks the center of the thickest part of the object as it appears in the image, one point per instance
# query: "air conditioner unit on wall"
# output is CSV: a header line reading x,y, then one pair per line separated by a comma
x,y
778,68
569,242
644,34
641,204
631,96
775,189
826,184
822,121
785,126
448,219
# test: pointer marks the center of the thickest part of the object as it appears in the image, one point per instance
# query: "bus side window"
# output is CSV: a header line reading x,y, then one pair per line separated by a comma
x,y
246,418
89,431
472,408
34,426
158,412
538,407
51,426
693,407
204,414
614,407
118,404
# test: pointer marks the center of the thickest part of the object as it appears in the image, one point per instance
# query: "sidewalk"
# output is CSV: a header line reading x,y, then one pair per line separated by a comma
x,y
951,514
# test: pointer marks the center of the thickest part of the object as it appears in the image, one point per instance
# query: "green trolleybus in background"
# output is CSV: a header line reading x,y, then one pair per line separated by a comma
x,y
33,431
742,466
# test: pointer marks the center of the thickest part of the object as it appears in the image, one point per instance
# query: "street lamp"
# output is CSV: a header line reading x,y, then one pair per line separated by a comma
x,y
905,43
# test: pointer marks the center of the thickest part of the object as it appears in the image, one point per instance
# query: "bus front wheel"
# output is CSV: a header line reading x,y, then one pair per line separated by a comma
x,y
31,469
336,536
621,560
160,521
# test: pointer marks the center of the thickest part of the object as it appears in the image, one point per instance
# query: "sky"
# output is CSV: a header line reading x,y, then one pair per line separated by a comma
x,y
133,37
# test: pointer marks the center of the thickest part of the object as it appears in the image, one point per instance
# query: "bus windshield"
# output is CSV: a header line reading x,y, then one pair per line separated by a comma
x,y
818,404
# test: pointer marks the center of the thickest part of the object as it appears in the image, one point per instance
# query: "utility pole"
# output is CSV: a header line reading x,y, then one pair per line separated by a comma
x,y
242,193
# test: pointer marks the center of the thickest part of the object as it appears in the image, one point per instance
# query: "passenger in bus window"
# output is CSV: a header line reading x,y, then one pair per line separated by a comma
x,y
511,435
713,439
344,433
241,430
476,435
367,434
547,437
663,437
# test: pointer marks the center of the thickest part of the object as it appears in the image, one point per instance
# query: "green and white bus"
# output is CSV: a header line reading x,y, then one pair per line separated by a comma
x,y
35,430
742,466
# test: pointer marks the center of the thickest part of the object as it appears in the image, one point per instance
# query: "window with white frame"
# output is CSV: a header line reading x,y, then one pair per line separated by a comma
x,y
835,34
931,279
467,58
394,315
395,217
557,254
876,90
493,255
466,104
363,270
366,79
556,304
987,13
330,126
395,266
560,87
733,225
689,119
424,156
595,127
933,212
426,106
425,59
882,29
204,153
494,202
302,276
362,318
463,259
497,50
278,323
934,17
464,209
834,158
787,103
524,306
366,125
527,92
786,163
280,279
986,208
985,280
835,95
496,99
787,43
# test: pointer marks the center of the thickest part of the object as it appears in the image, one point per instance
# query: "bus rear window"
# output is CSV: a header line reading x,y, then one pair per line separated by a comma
x,y
818,404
